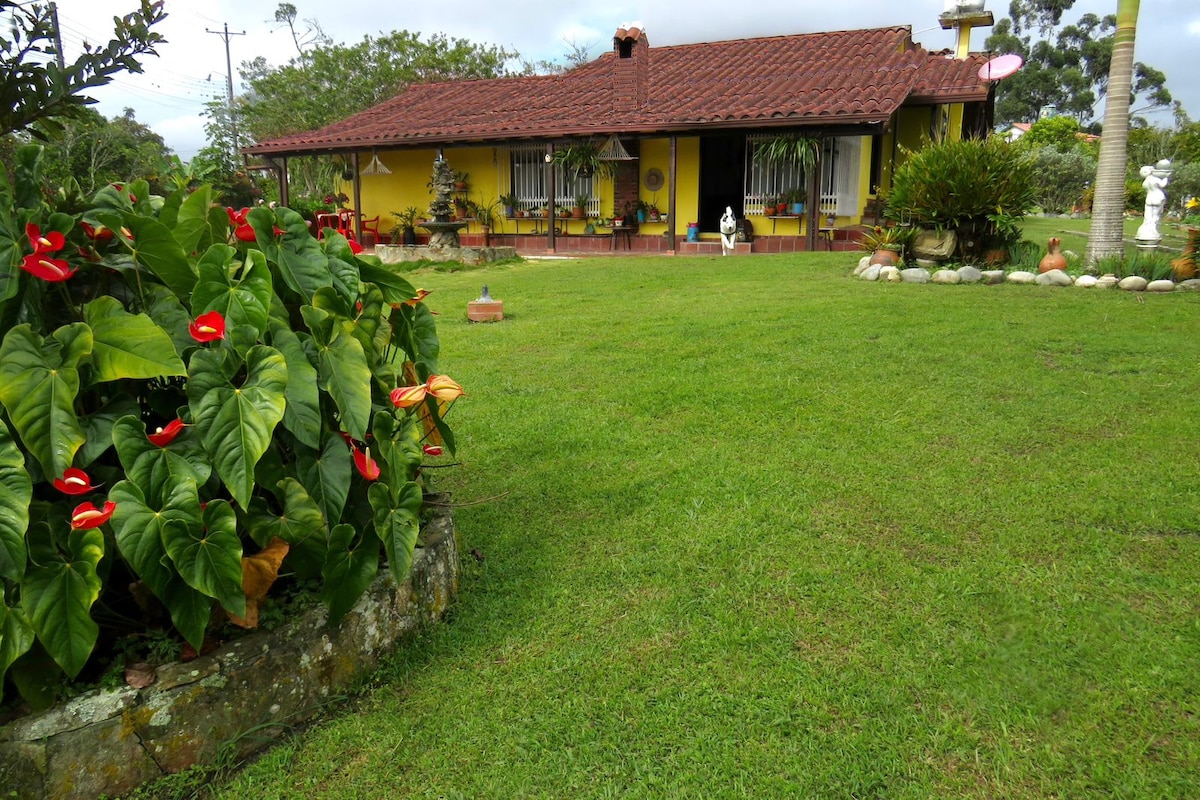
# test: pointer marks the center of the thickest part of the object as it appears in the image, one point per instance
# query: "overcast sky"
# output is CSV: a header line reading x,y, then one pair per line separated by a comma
x,y
190,68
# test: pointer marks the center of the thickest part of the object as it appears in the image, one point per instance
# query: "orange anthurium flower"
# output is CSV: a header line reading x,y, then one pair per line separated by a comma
x,y
208,327
164,436
443,388
87,516
48,269
408,396
74,481
366,466
421,295
432,450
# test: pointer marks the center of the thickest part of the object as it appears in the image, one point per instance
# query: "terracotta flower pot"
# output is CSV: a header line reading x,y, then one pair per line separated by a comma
x,y
1053,259
885,257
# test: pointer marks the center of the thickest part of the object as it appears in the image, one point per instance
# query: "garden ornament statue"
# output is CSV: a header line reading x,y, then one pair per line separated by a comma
x,y
728,231
1155,181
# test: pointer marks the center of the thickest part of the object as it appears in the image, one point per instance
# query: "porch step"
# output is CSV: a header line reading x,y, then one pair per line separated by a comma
x,y
711,247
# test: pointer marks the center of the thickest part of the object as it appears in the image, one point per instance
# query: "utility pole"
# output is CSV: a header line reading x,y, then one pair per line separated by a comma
x,y
58,53
229,82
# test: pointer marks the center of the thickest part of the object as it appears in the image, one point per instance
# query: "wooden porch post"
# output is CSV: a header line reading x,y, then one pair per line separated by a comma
x,y
552,200
673,219
284,198
357,198
813,207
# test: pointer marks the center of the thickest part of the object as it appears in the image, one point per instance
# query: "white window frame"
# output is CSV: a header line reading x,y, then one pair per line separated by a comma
x,y
527,180
840,166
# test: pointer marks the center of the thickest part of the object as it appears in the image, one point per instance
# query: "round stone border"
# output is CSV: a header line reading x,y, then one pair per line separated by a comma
x,y
108,742
1055,277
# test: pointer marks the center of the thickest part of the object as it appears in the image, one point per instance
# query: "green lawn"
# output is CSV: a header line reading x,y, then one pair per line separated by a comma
x,y
1074,233
751,528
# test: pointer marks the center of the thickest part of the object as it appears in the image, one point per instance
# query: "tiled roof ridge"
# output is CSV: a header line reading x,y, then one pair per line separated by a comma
x,y
903,29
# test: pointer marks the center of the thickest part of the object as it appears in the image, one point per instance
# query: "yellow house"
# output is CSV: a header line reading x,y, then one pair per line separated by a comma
x,y
681,126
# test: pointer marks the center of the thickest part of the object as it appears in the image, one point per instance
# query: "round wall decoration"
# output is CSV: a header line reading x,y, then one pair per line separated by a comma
x,y
654,179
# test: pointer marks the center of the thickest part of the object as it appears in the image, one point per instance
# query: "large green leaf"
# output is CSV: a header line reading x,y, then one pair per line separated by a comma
x,y
396,290
156,249
169,314
302,526
241,301
348,570
237,422
128,345
301,262
141,530
398,446
98,425
58,592
39,379
342,368
326,475
302,414
156,469
210,558
368,319
193,228
16,636
397,524
16,490
424,333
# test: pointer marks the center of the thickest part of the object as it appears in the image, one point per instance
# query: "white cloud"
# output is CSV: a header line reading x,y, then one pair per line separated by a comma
x,y
1194,28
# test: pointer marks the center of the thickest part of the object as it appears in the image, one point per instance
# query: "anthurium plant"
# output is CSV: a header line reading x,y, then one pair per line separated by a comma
x,y
193,401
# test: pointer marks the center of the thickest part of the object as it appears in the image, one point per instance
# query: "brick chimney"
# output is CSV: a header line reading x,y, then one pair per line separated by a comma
x,y
631,67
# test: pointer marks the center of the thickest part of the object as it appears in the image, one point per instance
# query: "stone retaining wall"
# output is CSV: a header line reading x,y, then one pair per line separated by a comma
x,y
230,701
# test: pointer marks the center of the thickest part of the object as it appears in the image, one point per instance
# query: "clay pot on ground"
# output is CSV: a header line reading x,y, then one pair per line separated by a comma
x,y
885,257
1053,259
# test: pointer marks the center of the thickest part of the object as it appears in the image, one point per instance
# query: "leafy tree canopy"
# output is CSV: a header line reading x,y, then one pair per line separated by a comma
x,y
1065,65
36,94
327,83
95,151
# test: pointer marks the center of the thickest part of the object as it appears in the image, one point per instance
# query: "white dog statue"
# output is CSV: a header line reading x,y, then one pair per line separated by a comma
x,y
728,231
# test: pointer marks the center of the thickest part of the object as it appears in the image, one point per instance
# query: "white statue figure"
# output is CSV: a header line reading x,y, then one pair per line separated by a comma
x,y
1155,181
728,231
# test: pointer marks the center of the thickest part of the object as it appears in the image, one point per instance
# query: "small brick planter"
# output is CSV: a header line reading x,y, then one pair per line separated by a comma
x,y
110,741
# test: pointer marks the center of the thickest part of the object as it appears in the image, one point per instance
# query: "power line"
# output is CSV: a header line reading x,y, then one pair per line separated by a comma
x,y
229,78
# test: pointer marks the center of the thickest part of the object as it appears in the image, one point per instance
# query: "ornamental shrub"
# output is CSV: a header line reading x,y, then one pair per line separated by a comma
x,y
194,401
980,188
1063,177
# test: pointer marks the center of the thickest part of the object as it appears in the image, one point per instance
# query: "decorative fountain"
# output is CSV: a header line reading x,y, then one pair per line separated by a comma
x,y
444,244
442,232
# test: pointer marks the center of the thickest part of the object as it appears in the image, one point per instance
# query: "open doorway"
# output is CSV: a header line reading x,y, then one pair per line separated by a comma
x,y
722,178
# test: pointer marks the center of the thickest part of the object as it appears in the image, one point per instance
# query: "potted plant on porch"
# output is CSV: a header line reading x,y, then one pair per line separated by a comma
x,y
580,209
405,230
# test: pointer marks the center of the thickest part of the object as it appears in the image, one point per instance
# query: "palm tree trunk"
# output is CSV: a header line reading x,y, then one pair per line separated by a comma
x,y
1108,206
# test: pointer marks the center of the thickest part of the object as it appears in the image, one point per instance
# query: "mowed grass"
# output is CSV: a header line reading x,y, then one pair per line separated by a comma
x,y
751,528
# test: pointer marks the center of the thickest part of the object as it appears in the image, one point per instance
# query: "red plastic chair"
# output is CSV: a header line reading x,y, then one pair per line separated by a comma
x,y
371,226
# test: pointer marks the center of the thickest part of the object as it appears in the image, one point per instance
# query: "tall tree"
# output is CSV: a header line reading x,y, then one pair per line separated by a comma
x,y
1106,234
94,151
1066,67
35,94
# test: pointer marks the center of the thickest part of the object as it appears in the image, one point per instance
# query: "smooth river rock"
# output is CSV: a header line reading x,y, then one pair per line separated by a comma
x,y
1160,286
1086,281
914,275
992,277
945,276
1133,283
1021,277
871,273
969,274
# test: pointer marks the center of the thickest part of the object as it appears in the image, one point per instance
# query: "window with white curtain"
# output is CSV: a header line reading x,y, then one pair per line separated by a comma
x,y
527,180
839,176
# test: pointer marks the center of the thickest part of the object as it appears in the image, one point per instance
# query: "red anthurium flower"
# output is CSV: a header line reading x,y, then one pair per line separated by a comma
x,y
50,243
46,268
87,516
97,233
208,327
164,436
443,388
277,231
355,247
432,450
366,466
74,481
408,396
244,233
236,217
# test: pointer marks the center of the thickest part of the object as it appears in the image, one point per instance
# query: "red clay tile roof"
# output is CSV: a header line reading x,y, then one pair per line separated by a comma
x,y
836,78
